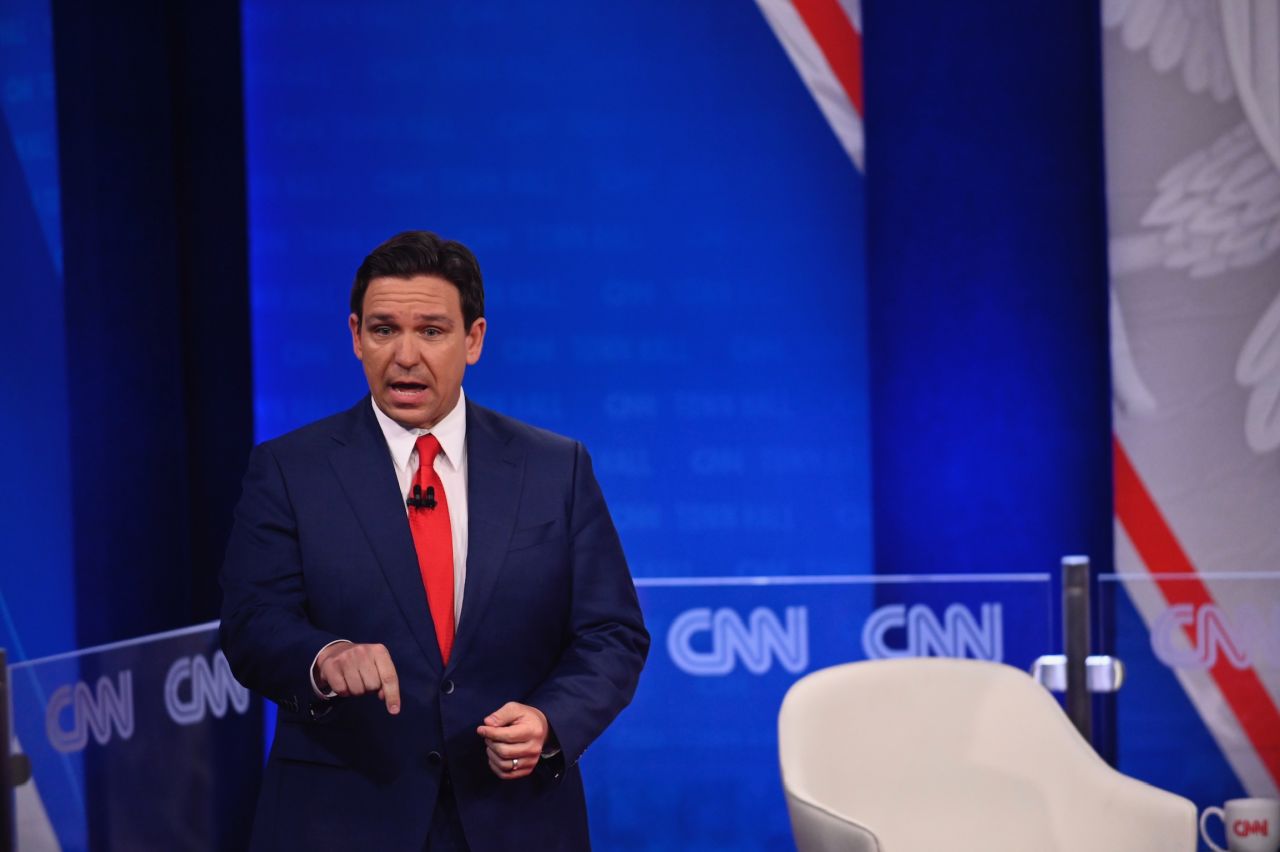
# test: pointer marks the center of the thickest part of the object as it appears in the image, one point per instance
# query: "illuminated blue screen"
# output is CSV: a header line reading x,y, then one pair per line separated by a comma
x,y
672,243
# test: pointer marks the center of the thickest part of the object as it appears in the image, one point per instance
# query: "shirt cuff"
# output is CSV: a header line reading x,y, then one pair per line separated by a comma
x,y
551,746
311,673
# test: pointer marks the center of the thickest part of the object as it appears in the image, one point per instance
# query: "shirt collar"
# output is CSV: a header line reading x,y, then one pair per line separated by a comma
x,y
451,432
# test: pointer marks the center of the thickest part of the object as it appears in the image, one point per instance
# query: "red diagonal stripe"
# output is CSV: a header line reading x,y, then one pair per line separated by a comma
x,y
1159,549
839,42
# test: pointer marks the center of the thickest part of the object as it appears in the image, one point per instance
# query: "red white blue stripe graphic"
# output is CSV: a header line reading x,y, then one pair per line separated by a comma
x,y
823,38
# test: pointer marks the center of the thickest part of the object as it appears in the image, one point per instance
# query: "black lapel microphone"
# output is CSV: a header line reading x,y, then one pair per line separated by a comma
x,y
418,501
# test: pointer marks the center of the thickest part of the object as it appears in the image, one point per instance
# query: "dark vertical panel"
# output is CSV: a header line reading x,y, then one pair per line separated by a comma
x,y
149,108
124,321
988,288
213,264
152,166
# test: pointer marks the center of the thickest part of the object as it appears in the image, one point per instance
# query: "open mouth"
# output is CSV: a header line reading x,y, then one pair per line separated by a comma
x,y
408,391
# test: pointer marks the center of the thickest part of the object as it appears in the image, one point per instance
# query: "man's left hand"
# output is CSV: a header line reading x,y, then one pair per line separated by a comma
x,y
514,736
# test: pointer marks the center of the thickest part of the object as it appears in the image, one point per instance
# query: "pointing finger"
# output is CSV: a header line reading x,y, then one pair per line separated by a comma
x,y
390,691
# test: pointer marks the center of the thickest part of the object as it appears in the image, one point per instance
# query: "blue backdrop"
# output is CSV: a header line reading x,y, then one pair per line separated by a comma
x,y
37,615
672,241
671,238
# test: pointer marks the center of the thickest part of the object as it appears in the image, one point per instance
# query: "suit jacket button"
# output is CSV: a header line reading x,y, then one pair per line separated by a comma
x,y
447,687
435,758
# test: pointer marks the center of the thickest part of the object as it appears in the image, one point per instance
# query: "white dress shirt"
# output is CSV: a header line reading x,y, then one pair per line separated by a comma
x,y
451,466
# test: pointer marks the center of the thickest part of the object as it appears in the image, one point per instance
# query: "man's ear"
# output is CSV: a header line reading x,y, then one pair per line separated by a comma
x,y
475,340
354,322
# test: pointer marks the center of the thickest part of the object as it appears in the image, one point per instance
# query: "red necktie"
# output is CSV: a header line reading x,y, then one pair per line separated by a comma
x,y
433,539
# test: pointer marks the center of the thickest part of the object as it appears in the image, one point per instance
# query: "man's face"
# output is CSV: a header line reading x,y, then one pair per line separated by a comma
x,y
414,347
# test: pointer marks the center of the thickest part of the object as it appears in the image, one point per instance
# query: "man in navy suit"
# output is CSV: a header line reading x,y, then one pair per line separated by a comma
x,y
444,636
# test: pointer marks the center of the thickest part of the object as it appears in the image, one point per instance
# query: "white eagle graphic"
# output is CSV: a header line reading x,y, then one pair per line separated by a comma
x,y
1219,208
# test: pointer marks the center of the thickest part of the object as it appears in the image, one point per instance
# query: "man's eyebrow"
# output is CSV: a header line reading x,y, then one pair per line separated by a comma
x,y
436,319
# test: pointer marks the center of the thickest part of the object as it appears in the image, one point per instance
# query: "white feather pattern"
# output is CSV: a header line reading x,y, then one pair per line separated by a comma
x,y
1218,209
1176,34
1258,369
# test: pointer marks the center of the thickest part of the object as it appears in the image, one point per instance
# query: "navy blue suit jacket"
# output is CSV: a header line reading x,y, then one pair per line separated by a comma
x,y
321,550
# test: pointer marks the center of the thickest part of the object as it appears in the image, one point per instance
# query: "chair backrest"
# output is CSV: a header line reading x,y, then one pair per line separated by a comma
x,y
937,753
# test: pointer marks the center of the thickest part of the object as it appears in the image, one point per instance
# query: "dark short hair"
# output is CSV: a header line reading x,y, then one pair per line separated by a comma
x,y
414,253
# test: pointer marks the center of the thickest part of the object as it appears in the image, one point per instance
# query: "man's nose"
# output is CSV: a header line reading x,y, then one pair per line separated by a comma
x,y
406,351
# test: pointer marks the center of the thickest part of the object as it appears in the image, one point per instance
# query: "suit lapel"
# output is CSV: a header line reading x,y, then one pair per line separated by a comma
x,y
365,470
495,469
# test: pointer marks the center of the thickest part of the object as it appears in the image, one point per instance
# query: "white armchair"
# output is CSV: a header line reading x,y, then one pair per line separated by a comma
x,y
920,755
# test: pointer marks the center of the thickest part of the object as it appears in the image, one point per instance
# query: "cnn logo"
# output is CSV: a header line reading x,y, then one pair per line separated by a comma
x,y
1251,827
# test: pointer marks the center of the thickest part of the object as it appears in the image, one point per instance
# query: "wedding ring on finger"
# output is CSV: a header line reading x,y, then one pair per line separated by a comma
x,y
515,764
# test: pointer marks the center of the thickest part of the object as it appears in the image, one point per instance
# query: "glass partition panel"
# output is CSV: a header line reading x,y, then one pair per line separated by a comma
x,y
1197,714
152,745
145,744
693,763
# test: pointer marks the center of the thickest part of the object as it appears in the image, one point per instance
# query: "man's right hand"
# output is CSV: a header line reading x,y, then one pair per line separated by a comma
x,y
350,669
